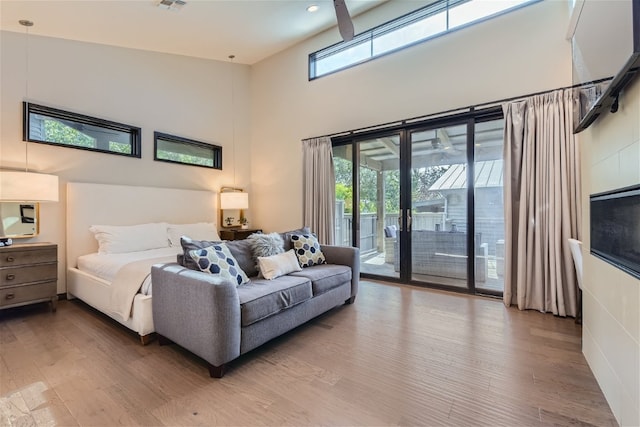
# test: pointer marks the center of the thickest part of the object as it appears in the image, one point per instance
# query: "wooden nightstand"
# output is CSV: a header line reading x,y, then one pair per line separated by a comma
x,y
28,274
237,233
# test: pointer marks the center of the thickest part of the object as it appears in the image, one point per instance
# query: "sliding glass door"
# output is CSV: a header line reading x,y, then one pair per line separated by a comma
x,y
439,205
489,206
368,202
423,202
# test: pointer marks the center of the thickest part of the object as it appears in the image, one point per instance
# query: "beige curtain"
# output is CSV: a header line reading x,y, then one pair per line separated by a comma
x,y
319,188
542,203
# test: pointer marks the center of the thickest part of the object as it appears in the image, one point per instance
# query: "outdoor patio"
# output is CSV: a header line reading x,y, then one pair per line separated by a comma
x,y
374,263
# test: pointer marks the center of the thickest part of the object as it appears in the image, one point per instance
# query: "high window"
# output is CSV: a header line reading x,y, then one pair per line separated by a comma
x,y
431,21
176,149
58,127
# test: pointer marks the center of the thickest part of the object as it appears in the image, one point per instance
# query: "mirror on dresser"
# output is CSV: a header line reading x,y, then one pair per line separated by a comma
x,y
19,219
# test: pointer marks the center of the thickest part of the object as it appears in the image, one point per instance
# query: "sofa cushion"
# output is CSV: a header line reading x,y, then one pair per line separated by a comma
x,y
240,249
325,277
286,236
262,298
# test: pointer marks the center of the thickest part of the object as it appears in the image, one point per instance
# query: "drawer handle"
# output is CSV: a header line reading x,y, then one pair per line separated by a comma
x,y
11,276
9,296
10,259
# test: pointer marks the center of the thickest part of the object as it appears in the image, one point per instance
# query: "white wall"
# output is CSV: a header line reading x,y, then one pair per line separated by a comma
x,y
611,298
515,54
174,94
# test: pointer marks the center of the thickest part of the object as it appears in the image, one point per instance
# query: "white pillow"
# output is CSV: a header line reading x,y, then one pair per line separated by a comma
x,y
115,239
197,231
278,265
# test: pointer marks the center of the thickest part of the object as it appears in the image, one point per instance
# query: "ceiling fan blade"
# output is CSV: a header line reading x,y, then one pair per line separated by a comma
x,y
345,25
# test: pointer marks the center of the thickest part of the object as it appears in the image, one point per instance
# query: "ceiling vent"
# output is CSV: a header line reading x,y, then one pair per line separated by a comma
x,y
171,4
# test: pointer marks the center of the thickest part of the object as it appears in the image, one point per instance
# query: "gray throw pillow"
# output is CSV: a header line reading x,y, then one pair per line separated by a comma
x,y
240,249
265,245
286,236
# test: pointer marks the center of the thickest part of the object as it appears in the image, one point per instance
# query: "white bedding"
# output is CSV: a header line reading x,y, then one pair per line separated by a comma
x,y
106,266
124,205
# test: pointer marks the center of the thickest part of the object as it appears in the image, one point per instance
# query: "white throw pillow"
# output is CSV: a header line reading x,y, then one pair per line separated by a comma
x,y
116,239
197,231
278,265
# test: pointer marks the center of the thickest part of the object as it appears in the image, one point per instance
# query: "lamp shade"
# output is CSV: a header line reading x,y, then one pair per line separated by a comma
x,y
28,187
234,200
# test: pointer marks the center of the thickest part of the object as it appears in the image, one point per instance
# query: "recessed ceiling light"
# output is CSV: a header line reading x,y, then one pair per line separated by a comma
x,y
313,8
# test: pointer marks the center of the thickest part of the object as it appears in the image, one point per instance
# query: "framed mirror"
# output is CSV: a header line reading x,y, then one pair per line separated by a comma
x,y
19,219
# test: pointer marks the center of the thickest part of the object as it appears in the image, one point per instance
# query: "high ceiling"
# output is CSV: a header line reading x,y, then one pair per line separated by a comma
x,y
249,29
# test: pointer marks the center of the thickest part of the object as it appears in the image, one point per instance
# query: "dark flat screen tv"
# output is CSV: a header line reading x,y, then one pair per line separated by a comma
x,y
606,55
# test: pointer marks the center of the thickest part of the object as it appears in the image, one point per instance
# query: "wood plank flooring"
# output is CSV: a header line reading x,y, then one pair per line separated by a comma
x,y
398,356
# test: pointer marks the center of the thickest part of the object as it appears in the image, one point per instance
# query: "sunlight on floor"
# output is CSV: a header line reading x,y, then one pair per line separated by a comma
x,y
20,407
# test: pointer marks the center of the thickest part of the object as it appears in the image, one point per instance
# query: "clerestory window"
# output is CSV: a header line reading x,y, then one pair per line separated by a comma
x,y
58,127
176,149
436,19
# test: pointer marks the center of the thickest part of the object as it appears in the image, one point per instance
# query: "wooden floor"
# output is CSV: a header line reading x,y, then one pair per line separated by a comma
x,y
398,356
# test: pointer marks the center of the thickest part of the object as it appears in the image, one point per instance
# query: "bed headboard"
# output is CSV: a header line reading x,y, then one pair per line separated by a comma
x,y
93,204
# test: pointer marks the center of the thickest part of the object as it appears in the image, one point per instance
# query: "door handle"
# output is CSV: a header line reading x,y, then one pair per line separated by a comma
x,y
408,220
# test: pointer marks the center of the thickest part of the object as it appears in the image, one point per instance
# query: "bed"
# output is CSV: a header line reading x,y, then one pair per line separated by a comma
x,y
121,205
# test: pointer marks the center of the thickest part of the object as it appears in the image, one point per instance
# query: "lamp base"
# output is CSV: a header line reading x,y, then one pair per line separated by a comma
x,y
5,241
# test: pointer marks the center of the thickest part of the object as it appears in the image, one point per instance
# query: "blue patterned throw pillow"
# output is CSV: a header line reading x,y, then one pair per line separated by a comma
x,y
217,260
307,250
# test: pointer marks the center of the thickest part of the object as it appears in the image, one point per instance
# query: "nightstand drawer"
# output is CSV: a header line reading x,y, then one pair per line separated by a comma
x,y
19,294
28,257
26,274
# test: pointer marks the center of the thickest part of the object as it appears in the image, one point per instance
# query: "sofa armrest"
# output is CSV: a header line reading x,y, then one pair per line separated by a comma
x,y
345,255
198,311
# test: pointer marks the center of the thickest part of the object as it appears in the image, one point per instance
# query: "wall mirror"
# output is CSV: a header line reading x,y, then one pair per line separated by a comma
x,y
19,219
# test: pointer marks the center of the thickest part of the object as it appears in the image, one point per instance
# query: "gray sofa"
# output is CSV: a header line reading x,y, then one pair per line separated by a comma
x,y
218,320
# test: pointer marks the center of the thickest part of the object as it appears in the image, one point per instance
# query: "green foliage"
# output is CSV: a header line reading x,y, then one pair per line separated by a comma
x,y
184,158
344,192
343,171
392,191
119,147
368,190
421,180
57,132
60,133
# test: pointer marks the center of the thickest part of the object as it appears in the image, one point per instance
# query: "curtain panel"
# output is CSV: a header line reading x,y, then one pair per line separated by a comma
x,y
319,188
542,195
